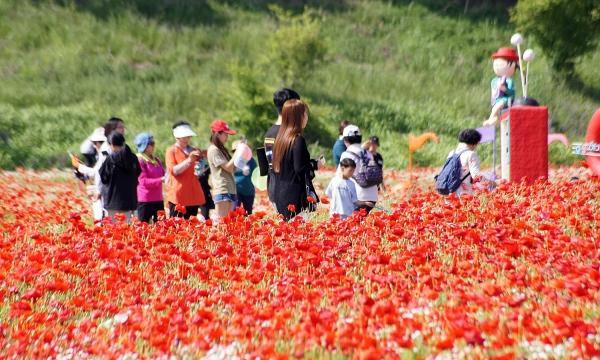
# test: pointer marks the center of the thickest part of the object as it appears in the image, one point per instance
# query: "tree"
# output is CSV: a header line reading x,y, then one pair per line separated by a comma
x,y
297,46
565,29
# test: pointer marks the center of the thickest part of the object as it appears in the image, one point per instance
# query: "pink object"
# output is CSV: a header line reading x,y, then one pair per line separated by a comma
x,y
245,151
150,181
593,135
558,137
242,155
488,134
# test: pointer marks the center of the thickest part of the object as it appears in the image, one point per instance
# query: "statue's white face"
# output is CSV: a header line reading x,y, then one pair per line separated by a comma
x,y
502,67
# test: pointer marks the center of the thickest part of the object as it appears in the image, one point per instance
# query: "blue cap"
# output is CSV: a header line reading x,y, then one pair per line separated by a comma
x,y
142,140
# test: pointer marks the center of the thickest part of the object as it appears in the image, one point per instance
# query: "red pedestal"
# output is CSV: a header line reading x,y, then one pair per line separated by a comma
x,y
528,143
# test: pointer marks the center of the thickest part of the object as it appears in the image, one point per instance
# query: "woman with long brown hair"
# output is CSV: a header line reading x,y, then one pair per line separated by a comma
x,y
221,169
292,166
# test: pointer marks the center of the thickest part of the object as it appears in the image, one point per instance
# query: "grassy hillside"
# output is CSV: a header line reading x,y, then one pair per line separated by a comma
x,y
393,67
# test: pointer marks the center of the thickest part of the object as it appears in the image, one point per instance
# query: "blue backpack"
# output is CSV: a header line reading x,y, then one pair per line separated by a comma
x,y
448,180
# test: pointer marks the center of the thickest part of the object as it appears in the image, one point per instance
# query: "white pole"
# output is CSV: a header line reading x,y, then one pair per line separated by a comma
x,y
521,70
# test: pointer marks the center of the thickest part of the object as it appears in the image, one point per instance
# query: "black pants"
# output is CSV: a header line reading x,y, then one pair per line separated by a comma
x,y
147,211
189,211
365,205
247,202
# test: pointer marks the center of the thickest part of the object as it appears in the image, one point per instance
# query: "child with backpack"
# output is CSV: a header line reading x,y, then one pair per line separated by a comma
x,y
462,167
368,174
342,191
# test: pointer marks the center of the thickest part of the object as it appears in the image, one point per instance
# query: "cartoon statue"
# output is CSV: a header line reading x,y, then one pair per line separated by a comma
x,y
506,62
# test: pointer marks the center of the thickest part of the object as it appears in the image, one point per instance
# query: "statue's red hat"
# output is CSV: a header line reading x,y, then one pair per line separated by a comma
x,y
507,53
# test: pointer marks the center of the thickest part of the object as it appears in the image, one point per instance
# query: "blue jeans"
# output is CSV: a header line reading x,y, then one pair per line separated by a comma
x,y
247,202
225,197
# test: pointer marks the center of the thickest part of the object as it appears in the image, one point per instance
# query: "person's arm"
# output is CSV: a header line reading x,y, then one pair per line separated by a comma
x,y
301,157
229,166
86,170
474,166
218,159
106,171
182,166
177,169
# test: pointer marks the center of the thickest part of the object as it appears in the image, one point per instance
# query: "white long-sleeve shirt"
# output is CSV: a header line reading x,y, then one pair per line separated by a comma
x,y
470,164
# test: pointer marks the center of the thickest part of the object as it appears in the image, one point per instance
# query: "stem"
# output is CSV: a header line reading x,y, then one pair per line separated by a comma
x,y
526,81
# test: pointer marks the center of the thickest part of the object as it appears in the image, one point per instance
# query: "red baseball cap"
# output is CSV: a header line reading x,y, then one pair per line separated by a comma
x,y
507,53
221,126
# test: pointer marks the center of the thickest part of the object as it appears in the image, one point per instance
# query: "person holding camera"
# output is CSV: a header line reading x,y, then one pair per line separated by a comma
x,y
184,193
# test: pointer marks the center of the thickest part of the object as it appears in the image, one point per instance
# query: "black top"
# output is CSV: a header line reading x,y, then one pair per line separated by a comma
x,y
295,174
119,173
269,144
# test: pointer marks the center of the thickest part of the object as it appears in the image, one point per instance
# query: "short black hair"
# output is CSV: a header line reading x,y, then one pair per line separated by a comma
x,y
355,139
179,123
116,138
469,137
282,95
111,125
347,162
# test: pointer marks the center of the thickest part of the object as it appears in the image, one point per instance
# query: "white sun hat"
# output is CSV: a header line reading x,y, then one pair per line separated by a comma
x,y
98,135
182,131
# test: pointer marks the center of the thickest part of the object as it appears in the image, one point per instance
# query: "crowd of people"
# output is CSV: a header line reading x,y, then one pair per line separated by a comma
x,y
219,179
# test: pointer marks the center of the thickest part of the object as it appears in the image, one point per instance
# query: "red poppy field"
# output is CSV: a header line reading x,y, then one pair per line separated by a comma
x,y
513,273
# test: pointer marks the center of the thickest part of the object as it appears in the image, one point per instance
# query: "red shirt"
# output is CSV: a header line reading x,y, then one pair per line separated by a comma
x,y
183,189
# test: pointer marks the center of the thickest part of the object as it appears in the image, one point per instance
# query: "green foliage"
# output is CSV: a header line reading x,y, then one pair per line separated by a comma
x,y
392,67
252,113
297,46
565,29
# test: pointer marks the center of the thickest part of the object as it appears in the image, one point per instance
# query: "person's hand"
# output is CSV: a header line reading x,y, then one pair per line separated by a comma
x,y
490,122
75,161
321,161
246,170
195,155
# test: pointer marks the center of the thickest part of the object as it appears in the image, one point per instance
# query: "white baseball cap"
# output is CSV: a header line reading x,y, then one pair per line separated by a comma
x,y
98,135
351,130
182,131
